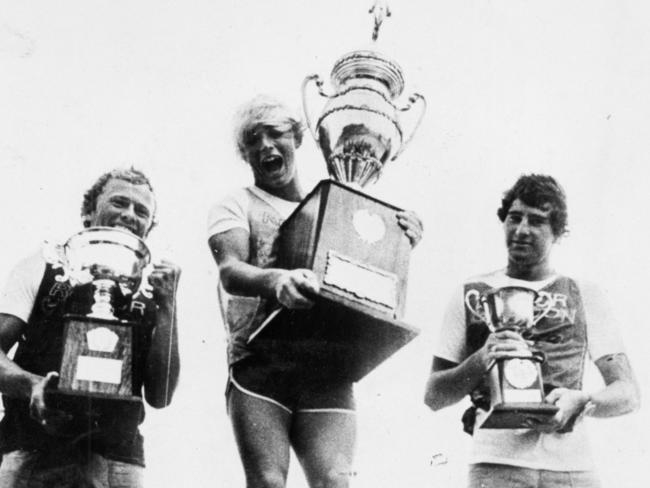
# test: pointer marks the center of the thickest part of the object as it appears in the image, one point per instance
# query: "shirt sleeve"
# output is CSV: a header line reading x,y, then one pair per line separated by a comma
x,y
452,344
602,328
230,213
19,293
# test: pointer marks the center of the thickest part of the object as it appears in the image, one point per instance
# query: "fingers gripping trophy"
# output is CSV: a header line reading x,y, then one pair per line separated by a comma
x,y
515,377
96,370
350,239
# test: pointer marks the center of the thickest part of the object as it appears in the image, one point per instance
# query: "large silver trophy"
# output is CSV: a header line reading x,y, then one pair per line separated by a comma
x,y
97,363
360,128
350,240
516,385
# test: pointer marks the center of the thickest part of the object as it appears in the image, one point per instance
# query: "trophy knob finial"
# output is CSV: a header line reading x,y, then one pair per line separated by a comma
x,y
380,11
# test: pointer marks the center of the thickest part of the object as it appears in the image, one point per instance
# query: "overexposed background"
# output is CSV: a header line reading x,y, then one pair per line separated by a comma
x,y
559,87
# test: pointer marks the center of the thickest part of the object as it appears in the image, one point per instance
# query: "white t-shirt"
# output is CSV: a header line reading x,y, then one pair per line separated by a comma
x,y
19,293
260,214
232,212
526,447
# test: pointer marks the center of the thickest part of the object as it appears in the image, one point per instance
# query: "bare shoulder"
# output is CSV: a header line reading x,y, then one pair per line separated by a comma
x,y
11,328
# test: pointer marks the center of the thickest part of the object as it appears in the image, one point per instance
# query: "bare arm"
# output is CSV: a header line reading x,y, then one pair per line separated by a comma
x,y
620,396
449,382
14,381
231,251
621,393
163,363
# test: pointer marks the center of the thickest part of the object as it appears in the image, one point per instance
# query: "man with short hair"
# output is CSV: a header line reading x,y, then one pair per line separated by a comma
x,y
577,323
47,448
275,405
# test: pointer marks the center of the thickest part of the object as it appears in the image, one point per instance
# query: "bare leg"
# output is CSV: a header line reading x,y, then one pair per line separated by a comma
x,y
324,443
262,435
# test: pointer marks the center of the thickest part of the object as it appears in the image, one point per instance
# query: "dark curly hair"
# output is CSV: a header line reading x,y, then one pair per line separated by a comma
x,y
130,175
538,191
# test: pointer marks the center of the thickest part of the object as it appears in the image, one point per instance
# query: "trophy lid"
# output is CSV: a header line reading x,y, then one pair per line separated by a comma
x,y
370,65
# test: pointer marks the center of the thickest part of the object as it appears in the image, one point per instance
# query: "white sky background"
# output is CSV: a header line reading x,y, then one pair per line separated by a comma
x,y
512,87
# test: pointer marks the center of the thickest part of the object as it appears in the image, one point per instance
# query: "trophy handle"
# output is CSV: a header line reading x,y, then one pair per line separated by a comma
x,y
145,287
308,118
54,254
474,303
413,99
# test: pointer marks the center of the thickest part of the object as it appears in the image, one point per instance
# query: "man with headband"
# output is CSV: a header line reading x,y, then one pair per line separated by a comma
x,y
274,405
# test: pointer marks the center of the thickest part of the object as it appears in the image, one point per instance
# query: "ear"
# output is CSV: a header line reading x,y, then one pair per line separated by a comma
x,y
86,220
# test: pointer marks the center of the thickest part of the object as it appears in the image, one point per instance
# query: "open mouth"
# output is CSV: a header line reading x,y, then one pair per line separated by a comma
x,y
273,163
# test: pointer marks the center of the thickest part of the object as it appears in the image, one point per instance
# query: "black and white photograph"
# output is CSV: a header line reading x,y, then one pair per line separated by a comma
x,y
324,244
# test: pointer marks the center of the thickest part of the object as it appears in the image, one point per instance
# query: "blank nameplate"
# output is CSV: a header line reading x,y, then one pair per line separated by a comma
x,y
104,370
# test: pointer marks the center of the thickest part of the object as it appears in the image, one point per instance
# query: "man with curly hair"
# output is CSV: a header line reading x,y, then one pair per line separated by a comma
x,y
577,323
43,447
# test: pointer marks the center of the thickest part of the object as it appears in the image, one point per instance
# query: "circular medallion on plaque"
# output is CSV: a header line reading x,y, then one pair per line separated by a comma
x,y
520,373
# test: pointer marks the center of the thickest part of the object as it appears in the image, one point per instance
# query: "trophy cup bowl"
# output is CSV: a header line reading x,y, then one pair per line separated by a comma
x,y
516,385
108,253
510,307
360,127
350,240
97,361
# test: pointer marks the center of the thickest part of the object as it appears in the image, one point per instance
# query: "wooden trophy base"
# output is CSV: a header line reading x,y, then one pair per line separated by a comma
x,y
518,415
517,395
330,339
360,255
95,378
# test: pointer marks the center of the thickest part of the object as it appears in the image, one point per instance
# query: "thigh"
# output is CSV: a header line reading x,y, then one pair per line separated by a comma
x,y
15,469
569,479
324,443
262,433
101,472
26,469
486,475
124,475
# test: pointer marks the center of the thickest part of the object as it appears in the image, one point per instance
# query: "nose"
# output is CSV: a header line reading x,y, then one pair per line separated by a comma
x,y
265,142
522,227
128,213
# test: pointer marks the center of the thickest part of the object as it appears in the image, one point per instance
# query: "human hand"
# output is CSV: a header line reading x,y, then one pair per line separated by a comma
x,y
571,404
412,226
164,280
292,287
51,420
503,344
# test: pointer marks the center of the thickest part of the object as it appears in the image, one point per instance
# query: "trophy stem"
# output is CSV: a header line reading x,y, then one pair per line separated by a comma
x,y
102,308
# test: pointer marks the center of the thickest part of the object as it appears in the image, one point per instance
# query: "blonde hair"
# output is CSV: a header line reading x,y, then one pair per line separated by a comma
x,y
264,109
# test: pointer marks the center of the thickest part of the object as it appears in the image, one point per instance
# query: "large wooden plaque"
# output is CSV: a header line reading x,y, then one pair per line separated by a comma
x,y
96,374
360,255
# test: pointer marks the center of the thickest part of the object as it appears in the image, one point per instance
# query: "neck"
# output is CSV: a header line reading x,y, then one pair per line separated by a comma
x,y
291,191
528,272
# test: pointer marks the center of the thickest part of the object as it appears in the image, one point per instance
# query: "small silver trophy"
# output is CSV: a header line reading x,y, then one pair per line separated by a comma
x,y
516,385
97,362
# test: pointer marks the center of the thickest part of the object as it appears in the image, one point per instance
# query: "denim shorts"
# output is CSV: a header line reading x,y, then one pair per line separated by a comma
x,y
28,469
487,475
